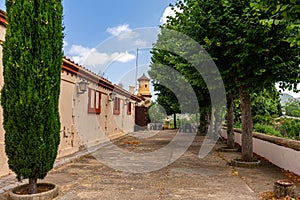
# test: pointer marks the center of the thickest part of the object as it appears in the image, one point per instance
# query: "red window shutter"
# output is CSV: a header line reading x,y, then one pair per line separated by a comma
x,y
94,101
97,102
116,106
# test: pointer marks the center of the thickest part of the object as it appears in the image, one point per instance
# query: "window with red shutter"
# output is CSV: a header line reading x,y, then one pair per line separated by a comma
x,y
117,106
94,104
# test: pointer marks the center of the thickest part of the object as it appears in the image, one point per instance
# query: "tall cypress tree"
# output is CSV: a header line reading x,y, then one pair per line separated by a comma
x,y
32,59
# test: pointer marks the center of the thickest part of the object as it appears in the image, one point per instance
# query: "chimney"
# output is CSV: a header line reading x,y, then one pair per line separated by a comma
x,y
131,89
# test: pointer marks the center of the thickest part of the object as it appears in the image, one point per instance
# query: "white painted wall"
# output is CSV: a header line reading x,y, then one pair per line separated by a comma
x,y
283,157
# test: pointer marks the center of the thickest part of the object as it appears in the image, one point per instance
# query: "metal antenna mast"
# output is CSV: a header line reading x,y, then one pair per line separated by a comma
x,y
136,68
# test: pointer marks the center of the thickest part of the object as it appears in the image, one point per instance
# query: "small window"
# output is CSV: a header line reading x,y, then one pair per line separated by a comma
x,y
94,104
129,109
146,86
117,106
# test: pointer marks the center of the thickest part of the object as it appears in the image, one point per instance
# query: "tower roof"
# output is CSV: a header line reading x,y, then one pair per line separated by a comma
x,y
144,78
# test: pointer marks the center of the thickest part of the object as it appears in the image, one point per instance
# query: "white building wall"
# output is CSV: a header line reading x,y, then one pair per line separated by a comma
x,y
281,156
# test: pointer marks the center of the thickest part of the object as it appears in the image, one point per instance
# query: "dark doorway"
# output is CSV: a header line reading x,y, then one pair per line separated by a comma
x,y
141,118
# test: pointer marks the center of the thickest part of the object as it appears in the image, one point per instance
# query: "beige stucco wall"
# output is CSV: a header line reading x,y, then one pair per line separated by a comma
x,y
94,129
80,129
88,126
69,140
120,124
144,88
3,159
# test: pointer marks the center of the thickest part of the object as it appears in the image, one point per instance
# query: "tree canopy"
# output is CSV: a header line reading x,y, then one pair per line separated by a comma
x,y
254,43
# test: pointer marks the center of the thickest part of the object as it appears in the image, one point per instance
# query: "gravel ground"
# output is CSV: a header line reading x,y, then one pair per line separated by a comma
x,y
189,177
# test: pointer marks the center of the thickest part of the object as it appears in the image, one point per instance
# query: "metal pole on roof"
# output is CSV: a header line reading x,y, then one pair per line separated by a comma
x,y
136,68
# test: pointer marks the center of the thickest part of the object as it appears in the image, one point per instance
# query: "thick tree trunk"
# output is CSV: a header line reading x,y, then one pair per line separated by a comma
x,y
32,187
203,122
230,121
175,121
217,124
247,125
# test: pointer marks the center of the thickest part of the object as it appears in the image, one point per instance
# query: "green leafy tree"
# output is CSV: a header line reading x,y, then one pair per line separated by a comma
x,y
266,102
204,22
172,68
292,108
156,113
253,42
261,56
32,59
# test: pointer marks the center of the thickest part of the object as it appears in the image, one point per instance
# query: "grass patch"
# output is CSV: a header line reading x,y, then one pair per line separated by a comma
x,y
267,129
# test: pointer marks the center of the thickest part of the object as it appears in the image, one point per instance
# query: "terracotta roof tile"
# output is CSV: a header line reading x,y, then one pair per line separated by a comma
x,y
144,77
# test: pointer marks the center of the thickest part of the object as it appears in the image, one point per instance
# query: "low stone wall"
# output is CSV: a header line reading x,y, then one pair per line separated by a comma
x,y
284,153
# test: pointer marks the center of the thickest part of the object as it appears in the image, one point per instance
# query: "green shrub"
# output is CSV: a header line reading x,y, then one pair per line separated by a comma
x,y
267,129
292,108
262,119
238,125
289,127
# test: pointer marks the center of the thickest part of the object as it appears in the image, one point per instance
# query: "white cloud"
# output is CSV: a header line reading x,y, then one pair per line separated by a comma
x,y
127,38
122,57
96,58
79,53
168,12
80,50
116,31
122,32
140,43
90,57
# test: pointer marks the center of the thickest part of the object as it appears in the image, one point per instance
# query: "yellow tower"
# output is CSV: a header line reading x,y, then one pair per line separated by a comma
x,y
144,87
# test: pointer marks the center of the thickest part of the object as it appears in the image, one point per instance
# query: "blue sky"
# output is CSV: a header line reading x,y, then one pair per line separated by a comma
x,y
98,35
104,36
93,30
87,21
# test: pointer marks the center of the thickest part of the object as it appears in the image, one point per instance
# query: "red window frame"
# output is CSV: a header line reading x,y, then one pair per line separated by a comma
x,y
116,106
129,108
94,101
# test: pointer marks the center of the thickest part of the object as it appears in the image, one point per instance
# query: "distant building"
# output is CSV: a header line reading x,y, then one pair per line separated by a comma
x,y
144,87
141,112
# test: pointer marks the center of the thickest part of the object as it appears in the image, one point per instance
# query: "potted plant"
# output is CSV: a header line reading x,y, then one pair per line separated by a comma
x,y
32,59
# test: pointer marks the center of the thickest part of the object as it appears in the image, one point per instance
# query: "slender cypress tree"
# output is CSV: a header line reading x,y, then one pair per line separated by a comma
x,y
32,59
